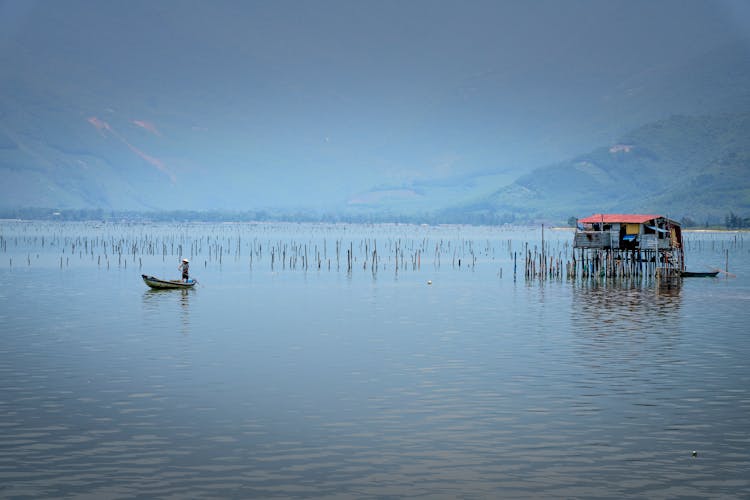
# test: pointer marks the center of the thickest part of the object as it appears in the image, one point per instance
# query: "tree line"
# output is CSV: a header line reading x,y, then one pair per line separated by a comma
x,y
730,221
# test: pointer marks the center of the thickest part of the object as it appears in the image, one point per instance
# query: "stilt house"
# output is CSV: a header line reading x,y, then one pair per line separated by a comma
x,y
631,239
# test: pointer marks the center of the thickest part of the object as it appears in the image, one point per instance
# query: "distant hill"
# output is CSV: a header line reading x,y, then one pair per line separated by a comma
x,y
66,146
82,129
554,124
695,167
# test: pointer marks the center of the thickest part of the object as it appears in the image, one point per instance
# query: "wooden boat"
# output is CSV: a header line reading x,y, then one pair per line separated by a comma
x,y
167,284
699,274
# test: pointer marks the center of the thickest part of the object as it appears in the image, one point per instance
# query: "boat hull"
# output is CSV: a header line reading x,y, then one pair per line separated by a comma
x,y
160,284
694,274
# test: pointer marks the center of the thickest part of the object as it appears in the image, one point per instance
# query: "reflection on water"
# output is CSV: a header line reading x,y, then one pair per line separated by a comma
x,y
326,384
160,303
625,324
629,303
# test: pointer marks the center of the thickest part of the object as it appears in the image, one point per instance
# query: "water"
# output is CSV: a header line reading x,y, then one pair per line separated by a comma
x,y
312,381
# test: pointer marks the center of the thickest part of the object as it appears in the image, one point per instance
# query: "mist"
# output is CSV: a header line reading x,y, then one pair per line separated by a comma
x,y
239,105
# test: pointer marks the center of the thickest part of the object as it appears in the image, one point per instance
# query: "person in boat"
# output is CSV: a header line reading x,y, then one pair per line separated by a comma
x,y
185,268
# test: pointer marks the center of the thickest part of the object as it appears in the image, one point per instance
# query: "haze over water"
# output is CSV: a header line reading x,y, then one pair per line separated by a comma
x,y
312,381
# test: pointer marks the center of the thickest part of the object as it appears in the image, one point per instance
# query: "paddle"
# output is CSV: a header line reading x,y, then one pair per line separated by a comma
x,y
729,275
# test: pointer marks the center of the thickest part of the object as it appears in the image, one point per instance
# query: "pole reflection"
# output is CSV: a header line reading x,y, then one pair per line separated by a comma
x,y
160,306
627,324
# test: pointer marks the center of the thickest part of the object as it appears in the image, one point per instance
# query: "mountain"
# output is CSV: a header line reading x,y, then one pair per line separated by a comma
x,y
339,107
692,167
554,124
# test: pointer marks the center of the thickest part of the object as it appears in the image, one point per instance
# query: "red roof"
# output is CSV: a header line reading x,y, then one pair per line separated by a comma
x,y
619,218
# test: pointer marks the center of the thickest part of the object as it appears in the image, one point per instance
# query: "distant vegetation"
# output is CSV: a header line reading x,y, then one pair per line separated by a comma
x,y
730,221
733,221
208,216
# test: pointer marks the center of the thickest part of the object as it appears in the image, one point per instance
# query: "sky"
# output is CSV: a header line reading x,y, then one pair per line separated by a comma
x,y
313,100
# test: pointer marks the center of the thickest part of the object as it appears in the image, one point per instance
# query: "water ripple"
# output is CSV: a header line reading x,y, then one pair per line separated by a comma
x,y
330,386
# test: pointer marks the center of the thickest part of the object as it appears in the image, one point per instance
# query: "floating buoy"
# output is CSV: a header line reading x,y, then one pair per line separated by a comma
x,y
429,282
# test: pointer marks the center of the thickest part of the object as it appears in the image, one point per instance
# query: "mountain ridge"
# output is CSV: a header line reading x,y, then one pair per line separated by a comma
x,y
99,145
677,166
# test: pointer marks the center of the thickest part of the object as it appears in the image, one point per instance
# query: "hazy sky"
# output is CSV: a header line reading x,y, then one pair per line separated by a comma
x,y
341,95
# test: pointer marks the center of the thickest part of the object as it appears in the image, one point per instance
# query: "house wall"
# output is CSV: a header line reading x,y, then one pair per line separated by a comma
x,y
649,242
614,236
592,239
647,239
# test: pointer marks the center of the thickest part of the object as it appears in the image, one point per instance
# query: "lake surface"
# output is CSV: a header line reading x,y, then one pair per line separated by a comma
x,y
286,374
